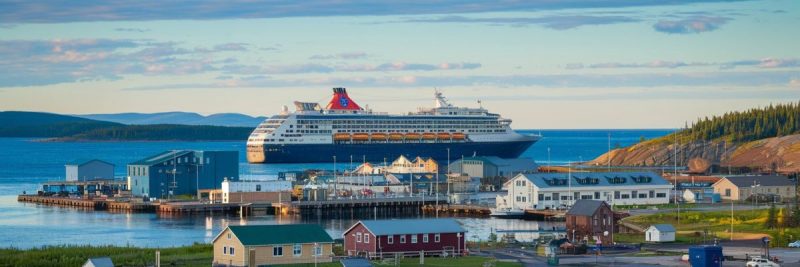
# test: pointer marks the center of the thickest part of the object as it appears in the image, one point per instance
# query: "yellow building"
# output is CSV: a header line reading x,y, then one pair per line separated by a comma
x,y
257,245
743,187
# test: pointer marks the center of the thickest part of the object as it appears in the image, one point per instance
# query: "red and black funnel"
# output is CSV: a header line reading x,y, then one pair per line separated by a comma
x,y
341,101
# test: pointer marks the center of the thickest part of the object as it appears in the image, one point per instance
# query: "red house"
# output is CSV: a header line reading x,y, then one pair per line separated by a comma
x,y
378,238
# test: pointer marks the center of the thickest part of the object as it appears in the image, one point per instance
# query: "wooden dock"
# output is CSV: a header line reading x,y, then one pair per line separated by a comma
x,y
64,201
458,209
545,214
355,207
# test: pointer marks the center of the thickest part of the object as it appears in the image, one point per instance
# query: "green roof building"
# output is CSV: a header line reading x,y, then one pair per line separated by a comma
x,y
272,245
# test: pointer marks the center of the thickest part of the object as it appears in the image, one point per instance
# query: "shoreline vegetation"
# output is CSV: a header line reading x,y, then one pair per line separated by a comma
x,y
193,255
47,127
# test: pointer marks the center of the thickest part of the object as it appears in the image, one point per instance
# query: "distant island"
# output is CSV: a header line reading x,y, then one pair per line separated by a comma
x,y
56,127
182,118
763,139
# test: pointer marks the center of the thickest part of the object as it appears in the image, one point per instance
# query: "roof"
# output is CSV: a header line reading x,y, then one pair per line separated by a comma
x,y
79,162
257,235
557,180
411,226
585,207
763,180
664,227
99,262
161,157
513,164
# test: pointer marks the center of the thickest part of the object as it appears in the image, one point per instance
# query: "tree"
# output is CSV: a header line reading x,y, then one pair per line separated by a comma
x,y
772,220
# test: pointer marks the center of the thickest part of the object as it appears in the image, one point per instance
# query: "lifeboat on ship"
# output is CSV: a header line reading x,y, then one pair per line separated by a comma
x,y
341,137
459,136
443,136
360,137
378,137
412,136
429,136
396,137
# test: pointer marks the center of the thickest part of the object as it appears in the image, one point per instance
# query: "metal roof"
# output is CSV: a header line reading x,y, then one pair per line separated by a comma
x,y
161,157
99,262
555,180
763,180
257,235
519,164
79,162
664,227
585,207
412,226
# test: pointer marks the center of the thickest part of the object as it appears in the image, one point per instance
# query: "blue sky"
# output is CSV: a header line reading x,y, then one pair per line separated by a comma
x,y
544,64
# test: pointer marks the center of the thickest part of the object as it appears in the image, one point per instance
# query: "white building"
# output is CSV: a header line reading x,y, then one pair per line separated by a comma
x,y
230,188
557,191
660,233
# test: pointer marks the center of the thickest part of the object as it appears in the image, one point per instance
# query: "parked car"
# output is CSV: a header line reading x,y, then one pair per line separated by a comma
x,y
761,262
795,244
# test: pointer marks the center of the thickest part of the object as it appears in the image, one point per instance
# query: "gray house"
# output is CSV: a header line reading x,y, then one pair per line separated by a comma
x,y
87,170
182,172
493,166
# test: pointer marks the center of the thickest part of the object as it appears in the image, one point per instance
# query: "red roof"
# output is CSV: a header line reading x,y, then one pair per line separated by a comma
x,y
341,101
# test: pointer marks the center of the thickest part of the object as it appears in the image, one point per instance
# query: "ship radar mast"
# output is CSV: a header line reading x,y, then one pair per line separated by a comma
x,y
441,101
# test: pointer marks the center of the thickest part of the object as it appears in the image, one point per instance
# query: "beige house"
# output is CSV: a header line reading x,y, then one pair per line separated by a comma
x,y
257,245
741,188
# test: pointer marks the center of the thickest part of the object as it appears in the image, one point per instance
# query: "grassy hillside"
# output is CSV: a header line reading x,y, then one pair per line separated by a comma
x,y
69,128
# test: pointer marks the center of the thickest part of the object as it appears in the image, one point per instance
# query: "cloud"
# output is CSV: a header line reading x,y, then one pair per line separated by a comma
x,y
231,47
241,69
646,80
346,56
765,63
43,62
562,22
695,24
794,83
132,30
145,10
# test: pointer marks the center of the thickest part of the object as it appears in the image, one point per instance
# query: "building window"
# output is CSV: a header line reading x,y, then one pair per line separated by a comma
x,y
232,252
652,193
225,250
616,194
413,239
727,192
541,197
634,194
437,238
625,196
366,238
277,251
661,195
298,249
425,238
358,237
402,239
390,239
229,235
596,195
258,188
318,250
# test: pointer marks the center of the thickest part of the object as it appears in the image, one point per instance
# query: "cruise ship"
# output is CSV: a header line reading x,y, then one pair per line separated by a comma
x,y
345,130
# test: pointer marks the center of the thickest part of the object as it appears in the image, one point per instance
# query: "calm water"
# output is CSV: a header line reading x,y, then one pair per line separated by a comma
x,y
24,164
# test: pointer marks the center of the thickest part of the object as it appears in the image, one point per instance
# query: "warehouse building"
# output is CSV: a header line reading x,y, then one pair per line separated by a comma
x,y
182,172
87,170
561,190
493,166
772,187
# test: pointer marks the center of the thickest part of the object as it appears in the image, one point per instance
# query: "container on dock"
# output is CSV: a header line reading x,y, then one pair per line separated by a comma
x,y
705,256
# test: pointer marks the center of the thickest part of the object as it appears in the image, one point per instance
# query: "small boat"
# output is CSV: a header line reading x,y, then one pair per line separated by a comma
x,y
459,136
443,136
341,137
429,136
360,137
378,137
396,136
507,213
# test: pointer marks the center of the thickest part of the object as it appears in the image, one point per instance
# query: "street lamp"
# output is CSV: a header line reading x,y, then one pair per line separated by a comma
x,y
754,195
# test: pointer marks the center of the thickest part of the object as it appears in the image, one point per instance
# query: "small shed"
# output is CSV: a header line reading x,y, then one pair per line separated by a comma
x,y
87,170
660,233
99,262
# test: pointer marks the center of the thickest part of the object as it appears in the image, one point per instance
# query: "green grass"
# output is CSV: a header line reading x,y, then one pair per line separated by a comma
x,y
717,223
460,261
195,255
659,206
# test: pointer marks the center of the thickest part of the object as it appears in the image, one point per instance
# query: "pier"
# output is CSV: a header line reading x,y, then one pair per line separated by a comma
x,y
458,209
355,208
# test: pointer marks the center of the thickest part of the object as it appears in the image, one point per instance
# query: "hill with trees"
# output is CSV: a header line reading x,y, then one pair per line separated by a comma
x,y
70,128
766,139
